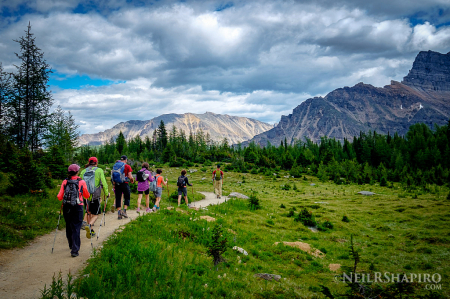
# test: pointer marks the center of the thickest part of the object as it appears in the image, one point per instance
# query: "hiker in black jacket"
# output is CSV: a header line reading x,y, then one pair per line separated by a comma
x,y
182,189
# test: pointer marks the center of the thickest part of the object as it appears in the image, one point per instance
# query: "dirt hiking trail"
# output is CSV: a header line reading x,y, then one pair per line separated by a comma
x,y
25,271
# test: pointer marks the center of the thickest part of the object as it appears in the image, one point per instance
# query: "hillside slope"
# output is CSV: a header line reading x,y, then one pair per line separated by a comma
x,y
219,126
423,96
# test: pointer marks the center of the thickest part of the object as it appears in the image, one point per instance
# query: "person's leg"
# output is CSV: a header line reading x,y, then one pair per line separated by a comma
x,y
68,228
216,188
179,197
126,201
139,201
147,200
75,225
118,195
126,196
185,196
220,188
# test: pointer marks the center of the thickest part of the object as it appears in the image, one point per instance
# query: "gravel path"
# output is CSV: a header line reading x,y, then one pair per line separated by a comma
x,y
25,271
210,199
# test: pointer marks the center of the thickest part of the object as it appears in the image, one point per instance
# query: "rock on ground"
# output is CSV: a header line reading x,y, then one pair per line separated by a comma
x,y
267,276
334,267
367,193
305,247
238,195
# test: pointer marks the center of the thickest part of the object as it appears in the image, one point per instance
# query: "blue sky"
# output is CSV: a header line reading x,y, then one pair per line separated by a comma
x,y
121,60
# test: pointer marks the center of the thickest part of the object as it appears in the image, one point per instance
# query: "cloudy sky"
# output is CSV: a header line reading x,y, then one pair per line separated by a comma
x,y
119,60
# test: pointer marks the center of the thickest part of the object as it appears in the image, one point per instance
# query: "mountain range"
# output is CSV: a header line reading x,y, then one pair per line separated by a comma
x,y
219,126
423,96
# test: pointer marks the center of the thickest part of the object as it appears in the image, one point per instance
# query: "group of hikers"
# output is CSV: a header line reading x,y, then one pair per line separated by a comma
x,y
82,194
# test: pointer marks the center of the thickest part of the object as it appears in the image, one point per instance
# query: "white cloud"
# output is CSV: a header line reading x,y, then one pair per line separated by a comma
x,y
256,58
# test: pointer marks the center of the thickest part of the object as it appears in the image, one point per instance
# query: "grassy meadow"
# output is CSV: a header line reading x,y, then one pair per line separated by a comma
x,y
163,255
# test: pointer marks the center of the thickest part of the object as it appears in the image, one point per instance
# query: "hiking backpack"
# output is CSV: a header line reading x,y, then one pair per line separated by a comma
x,y
141,176
153,184
217,175
71,193
180,182
117,173
89,178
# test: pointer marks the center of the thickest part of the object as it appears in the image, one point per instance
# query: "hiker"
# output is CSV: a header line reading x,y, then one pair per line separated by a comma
x,y
182,189
72,191
217,177
95,182
121,174
158,193
144,176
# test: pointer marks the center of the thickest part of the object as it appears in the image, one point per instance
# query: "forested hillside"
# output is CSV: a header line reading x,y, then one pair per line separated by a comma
x,y
421,156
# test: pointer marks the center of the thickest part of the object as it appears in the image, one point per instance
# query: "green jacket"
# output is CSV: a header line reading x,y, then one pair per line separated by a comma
x,y
99,175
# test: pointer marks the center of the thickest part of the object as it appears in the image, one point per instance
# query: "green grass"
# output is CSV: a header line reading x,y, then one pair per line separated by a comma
x,y
25,217
164,255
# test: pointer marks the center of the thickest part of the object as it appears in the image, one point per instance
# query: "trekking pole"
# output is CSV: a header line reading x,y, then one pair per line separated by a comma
x,y
103,218
57,227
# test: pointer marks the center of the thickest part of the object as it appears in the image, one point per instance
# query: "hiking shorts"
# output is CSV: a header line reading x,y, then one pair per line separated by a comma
x,y
158,192
147,192
125,190
182,191
94,207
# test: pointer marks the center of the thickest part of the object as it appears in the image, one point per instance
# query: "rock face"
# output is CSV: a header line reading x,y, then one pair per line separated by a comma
x,y
219,126
423,96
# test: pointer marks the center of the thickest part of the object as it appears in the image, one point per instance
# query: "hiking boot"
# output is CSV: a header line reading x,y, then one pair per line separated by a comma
x,y
154,209
119,217
138,210
148,210
93,233
83,224
124,213
88,232
74,254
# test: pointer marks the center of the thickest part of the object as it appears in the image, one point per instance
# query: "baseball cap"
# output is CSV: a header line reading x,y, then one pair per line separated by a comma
x,y
74,168
123,157
93,159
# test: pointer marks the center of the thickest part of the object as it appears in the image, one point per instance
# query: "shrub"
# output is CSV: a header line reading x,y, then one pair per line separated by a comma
x,y
254,203
306,217
325,226
26,176
217,245
383,182
285,187
291,213
282,206
345,219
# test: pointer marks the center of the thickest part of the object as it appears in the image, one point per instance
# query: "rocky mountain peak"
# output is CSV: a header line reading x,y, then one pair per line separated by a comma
x,y
423,96
430,71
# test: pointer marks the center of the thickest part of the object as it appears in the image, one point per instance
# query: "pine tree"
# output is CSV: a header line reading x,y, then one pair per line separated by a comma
x,y
120,143
62,133
161,140
5,95
28,109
